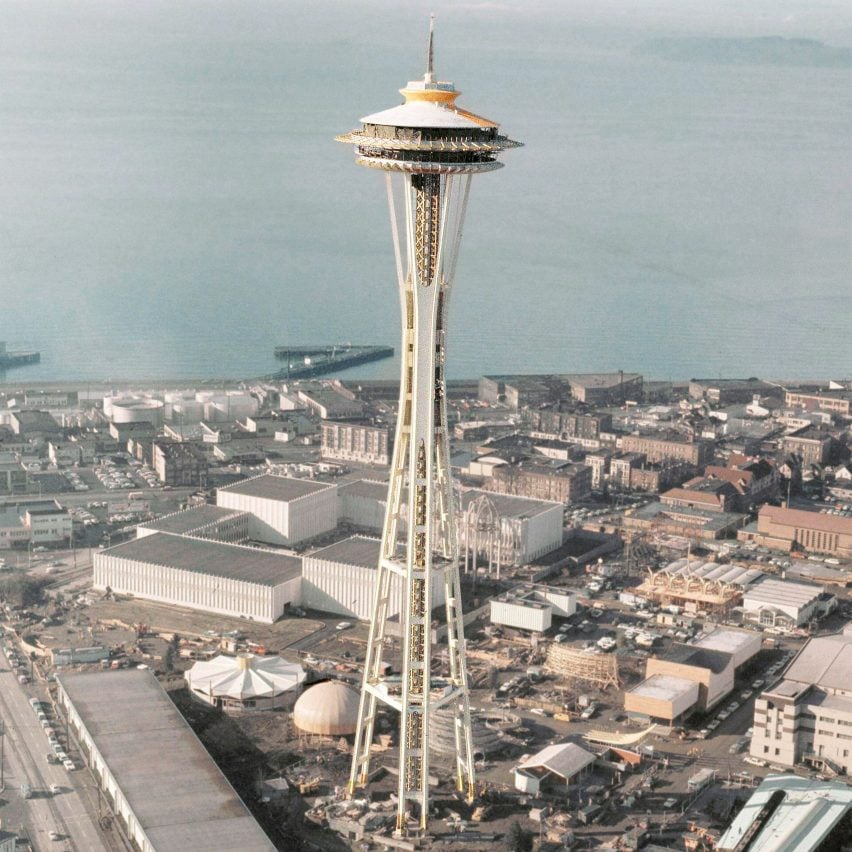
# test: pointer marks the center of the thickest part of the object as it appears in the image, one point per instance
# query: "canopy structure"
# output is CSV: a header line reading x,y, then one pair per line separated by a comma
x,y
246,682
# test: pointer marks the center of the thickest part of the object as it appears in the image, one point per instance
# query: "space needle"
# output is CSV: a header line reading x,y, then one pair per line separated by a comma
x,y
429,149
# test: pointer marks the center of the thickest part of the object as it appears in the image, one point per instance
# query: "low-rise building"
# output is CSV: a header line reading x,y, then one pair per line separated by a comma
x,y
785,605
341,579
507,529
133,738
532,607
838,402
704,494
560,765
205,521
801,530
36,522
14,477
787,812
811,445
34,424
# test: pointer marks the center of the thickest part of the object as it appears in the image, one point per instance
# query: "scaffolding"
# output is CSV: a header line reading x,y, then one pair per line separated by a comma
x,y
664,587
572,665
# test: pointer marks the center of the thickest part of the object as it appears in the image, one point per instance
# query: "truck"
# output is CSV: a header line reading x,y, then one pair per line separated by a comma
x,y
26,791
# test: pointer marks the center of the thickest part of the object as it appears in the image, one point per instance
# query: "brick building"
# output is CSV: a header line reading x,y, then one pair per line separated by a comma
x,y
562,482
696,453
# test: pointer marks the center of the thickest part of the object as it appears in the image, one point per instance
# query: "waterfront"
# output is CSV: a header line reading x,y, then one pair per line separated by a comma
x,y
174,204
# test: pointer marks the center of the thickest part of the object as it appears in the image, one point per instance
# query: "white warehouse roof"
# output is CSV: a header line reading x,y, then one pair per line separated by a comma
x,y
268,486
806,813
772,592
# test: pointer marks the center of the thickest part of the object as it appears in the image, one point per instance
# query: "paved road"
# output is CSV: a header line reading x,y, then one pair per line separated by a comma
x,y
25,749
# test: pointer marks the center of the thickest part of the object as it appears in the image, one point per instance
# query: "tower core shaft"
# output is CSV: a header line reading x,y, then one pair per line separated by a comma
x,y
429,149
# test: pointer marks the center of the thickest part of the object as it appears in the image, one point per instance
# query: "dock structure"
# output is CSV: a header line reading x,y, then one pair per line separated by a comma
x,y
16,359
304,362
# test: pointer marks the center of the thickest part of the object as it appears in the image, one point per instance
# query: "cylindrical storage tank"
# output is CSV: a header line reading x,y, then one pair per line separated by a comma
x,y
329,709
138,411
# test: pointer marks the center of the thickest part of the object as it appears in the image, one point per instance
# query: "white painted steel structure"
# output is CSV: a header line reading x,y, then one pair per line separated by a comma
x,y
429,149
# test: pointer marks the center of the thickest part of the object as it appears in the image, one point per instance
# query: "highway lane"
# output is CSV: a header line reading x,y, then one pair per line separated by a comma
x,y
25,750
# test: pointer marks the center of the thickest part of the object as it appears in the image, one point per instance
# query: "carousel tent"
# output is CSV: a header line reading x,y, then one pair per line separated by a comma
x,y
246,682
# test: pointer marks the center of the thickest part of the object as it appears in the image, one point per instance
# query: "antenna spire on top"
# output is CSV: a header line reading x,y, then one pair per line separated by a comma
x,y
430,57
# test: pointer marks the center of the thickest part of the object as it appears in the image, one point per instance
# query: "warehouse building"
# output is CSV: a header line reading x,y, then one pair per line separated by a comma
x,y
284,510
791,814
244,582
559,765
807,716
341,579
532,607
777,603
205,521
799,529
665,696
693,677
165,789
362,503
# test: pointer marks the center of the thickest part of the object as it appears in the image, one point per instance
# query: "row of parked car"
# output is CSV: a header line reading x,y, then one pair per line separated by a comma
x,y
58,754
744,696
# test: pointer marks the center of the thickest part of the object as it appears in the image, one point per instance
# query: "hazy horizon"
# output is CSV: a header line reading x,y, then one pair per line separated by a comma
x,y
174,204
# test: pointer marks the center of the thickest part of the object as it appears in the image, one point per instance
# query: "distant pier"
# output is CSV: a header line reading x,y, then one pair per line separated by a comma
x,y
306,361
16,359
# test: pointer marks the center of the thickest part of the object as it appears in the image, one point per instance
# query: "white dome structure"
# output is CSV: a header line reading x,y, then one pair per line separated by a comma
x,y
329,708
246,682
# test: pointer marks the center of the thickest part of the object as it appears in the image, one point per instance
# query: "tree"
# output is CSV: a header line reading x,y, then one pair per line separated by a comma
x,y
519,840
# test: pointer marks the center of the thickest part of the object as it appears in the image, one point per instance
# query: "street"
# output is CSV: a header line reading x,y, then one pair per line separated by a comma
x,y
25,748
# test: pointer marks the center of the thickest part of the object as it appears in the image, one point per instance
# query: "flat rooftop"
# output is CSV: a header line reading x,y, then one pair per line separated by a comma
x,y
364,488
270,487
508,506
690,655
196,518
666,688
235,561
357,550
727,641
177,793
825,661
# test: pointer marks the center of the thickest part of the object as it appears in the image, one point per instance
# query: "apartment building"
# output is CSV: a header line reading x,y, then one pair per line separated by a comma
x,y
356,442
807,716
657,449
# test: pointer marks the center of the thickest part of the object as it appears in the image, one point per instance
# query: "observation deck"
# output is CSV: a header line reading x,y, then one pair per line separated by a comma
x,y
428,134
